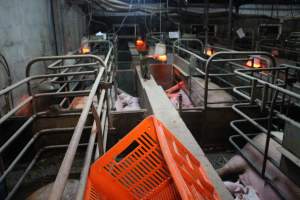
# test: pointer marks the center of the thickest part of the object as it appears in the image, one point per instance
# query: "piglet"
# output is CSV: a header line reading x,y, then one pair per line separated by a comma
x,y
238,166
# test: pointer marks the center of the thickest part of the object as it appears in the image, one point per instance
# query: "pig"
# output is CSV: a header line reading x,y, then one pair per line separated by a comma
x,y
26,110
126,102
174,98
175,88
79,102
175,91
241,192
237,165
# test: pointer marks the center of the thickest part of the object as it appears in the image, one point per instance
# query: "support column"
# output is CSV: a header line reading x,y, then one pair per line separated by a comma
x,y
229,19
206,10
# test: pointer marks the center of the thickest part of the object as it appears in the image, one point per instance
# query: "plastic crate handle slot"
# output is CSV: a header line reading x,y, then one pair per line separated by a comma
x,y
127,151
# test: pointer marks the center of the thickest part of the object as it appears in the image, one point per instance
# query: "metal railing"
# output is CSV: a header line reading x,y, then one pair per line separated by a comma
x,y
271,101
187,41
220,68
283,50
102,71
219,57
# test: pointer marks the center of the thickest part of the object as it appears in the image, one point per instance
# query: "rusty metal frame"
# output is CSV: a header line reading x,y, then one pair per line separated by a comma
x,y
231,57
274,96
219,54
103,73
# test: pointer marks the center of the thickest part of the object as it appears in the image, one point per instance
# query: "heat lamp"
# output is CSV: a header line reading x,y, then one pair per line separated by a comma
x,y
160,52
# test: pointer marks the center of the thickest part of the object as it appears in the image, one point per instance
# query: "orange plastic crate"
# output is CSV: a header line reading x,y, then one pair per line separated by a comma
x,y
148,163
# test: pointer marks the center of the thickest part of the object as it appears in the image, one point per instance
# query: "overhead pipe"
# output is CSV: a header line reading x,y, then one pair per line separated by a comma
x,y
126,6
117,2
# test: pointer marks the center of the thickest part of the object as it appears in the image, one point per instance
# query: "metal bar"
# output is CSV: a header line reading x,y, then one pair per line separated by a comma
x,y
270,85
46,58
268,134
11,87
218,54
97,127
235,90
14,110
217,89
72,89
73,66
235,108
89,152
227,74
72,81
54,63
74,143
225,102
286,153
264,96
17,133
253,89
29,144
230,60
249,140
31,164
62,72
62,176
285,118
63,94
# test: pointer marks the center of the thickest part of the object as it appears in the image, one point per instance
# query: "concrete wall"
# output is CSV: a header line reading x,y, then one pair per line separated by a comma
x,y
70,25
75,27
27,31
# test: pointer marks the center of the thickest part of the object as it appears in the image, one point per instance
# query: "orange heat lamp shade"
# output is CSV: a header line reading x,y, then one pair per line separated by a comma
x,y
254,62
275,52
249,63
162,58
85,50
140,45
209,51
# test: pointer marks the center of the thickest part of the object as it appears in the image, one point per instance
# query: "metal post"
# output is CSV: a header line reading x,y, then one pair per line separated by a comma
x,y
264,166
180,103
229,19
206,10
63,173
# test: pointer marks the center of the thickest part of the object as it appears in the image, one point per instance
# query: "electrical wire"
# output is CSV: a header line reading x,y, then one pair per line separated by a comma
x,y
90,17
124,19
